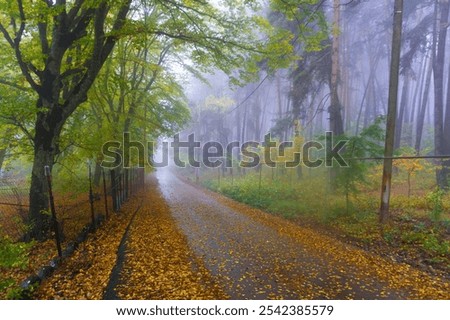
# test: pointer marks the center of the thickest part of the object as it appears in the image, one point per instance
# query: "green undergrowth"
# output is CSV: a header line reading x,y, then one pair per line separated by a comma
x,y
13,256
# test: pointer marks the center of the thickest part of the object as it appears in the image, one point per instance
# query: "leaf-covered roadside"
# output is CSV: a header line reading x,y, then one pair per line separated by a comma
x,y
158,264
86,273
20,259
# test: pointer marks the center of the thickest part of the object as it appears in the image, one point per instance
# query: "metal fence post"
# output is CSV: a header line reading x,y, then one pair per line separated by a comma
x,y
91,196
126,184
105,194
119,183
114,191
130,177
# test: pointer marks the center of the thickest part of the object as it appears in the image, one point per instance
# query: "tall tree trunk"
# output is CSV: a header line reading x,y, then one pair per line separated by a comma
x,y
2,157
416,100
97,172
48,129
392,110
426,93
370,111
401,116
244,126
288,107
374,61
242,139
346,78
238,138
279,96
446,146
264,116
238,125
439,139
336,122
257,115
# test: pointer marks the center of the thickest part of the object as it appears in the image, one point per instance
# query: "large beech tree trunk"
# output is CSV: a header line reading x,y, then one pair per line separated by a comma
x,y
48,129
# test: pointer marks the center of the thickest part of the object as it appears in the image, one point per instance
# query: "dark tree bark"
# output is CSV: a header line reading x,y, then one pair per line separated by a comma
x,y
2,158
335,109
336,121
97,173
446,137
438,69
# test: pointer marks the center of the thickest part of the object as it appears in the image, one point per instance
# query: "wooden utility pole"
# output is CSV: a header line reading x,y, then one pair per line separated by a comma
x,y
392,111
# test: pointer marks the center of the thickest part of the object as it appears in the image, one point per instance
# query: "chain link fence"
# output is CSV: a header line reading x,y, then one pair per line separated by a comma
x,y
13,206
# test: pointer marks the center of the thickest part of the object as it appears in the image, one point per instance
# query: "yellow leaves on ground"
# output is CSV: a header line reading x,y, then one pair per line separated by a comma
x,y
73,213
40,254
85,274
159,263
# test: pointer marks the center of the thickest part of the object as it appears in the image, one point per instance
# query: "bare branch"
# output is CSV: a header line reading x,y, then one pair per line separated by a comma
x,y
22,23
78,26
14,121
71,72
7,36
15,44
73,12
14,85
26,69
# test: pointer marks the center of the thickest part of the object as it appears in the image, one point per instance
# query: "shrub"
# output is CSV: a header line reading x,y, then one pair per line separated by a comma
x,y
12,255
435,200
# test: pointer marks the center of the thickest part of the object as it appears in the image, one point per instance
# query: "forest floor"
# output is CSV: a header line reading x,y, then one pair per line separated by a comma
x,y
176,241
73,214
